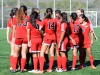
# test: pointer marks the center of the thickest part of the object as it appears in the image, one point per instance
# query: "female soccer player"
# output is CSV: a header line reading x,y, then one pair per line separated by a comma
x,y
82,55
63,41
9,34
34,38
49,39
86,42
20,37
74,37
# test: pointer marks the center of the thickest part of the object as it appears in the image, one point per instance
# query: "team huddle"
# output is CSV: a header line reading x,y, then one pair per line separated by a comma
x,y
29,35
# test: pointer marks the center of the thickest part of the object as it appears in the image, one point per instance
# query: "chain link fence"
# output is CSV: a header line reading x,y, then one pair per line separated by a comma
x,y
63,5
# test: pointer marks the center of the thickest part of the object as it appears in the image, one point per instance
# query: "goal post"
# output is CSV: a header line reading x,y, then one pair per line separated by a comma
x,y
92,15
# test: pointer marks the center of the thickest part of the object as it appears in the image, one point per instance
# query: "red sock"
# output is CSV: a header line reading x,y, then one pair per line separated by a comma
x,y
15,60
41,61
63,62
23,62
35,62
91,60
11,60
46,58
74,61
59,62
51,62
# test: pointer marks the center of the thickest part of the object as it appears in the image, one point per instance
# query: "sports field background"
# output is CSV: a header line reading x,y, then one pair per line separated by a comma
x,y
5,51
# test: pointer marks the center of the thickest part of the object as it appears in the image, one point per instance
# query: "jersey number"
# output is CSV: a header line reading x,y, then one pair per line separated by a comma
x,y
76,28
52,25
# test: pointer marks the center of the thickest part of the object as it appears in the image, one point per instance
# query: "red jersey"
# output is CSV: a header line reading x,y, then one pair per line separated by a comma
x,y
21,31
34,32
64,28
9,23
84,36
74,29
49,25
58,30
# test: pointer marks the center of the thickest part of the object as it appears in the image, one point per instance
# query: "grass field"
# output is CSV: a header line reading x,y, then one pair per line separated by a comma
x,y
5,51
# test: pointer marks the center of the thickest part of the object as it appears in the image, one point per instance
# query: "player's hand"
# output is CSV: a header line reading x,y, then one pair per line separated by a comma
x,y
96,38
13,40
73,41
92,42
8,40
59,44
29,44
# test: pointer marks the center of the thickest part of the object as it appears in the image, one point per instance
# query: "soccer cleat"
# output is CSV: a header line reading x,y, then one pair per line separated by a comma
x,y
22,71
93,67
64,70
81,66
49,70
32,71
73,69
58,70
38,72
13,71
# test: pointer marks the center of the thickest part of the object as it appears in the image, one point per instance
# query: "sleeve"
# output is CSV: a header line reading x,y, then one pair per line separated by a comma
x,y
42,23
28,26
91,26
9,23
14,22
63,27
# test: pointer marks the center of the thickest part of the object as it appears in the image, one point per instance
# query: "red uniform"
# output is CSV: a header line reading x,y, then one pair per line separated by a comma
x,y
64,42
49,26
9,24
74,33
85,41
21,32
58,30
35,37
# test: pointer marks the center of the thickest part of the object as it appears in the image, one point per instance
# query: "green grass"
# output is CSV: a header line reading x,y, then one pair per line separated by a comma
x,y
5,51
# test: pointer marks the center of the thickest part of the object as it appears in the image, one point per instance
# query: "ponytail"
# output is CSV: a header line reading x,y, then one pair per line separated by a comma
x,y
84,17
13,12
20,15
33,18
74,16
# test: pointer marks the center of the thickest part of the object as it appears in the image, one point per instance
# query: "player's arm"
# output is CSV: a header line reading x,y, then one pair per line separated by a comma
x,y
94,35
28,35
63,30
7,34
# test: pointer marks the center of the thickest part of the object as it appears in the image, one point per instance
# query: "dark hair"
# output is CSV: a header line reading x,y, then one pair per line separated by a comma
x,y
84,17
73,16
33,18
57,12
24,8
64,17
13,12
82,10
49,12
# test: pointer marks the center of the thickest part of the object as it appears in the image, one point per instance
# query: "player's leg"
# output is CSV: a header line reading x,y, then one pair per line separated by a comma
x,y
51,57
82,57
74,58
91,58
16,53
47,56
41,59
